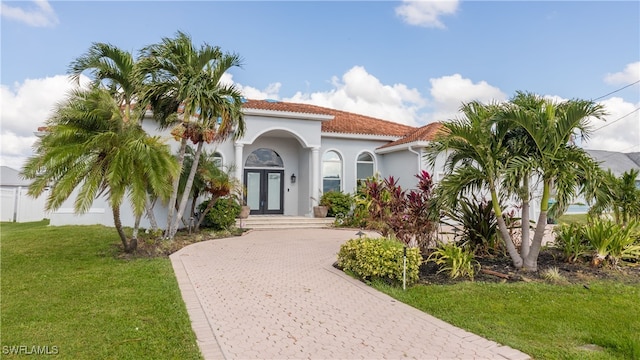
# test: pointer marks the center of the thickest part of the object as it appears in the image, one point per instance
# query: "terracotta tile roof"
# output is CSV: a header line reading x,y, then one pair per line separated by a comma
x,y
424,133
343,122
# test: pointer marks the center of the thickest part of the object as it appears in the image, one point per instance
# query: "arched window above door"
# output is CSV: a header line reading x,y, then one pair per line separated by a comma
x,y
262,158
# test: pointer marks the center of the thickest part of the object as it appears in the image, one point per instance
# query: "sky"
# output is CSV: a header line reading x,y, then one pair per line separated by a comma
x,y
412,62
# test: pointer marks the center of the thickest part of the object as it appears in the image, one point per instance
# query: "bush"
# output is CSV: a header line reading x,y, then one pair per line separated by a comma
x,y
371,259
456,260
337,202
479,224
613,242
570,240
223,214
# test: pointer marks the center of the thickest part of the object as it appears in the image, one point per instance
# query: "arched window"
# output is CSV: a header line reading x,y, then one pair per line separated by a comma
x,y
262,158
364,166
217,160
331,172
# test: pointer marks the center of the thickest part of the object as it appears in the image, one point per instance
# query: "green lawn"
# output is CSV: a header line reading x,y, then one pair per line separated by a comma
x,y
572,218
66,289
542,320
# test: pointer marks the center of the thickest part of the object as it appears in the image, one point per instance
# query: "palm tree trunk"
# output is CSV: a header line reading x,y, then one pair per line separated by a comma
x,y
526,241
134,238
118,224
151,215
531,261
204,213
504,232
187,190
170,232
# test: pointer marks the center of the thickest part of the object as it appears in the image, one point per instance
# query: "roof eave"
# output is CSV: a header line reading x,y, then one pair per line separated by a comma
x,y
400,147
287,114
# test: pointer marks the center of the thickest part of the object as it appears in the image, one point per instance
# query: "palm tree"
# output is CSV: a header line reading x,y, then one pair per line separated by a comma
x,y
476,149
183,86
618,195
88,146
112,68
562,166
483,153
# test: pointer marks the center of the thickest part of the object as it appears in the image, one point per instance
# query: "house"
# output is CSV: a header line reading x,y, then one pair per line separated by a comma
x,y
15,204
617,162
291,153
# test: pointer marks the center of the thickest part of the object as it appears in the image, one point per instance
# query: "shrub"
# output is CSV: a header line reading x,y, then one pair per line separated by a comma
x,y
222,215
479,224
337,202
370,259
571,241
455,259
407,215
613,241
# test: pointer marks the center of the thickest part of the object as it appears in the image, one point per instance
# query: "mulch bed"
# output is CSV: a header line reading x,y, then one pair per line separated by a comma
x,y
499,269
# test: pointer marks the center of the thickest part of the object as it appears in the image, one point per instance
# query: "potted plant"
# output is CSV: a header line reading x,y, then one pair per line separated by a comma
x,y
321,210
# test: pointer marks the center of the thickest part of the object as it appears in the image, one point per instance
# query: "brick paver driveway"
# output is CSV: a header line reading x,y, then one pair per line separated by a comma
x,y
275,295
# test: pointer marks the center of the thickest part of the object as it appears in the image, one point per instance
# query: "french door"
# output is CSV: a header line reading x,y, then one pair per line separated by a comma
x,y
265,191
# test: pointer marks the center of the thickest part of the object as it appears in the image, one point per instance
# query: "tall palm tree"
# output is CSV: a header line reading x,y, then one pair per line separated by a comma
x,y
88,146
561,166
183,86
112,68
476,149
484,152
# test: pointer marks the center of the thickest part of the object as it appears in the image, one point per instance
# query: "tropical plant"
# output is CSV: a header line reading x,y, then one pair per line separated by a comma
x,y
618,195
557,162
570,240
89,146
113,69
613,242
479,157
381,258
407,215
456,260
479,226
184,86
220,213
337,202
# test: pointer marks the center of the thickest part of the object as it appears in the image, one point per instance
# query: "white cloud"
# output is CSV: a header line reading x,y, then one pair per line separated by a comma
x,y
449,92
426,13
249,92
630,74
620,131
25,107
42,15
362,93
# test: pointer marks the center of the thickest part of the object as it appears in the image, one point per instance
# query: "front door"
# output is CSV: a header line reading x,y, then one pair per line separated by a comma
x,y
265,191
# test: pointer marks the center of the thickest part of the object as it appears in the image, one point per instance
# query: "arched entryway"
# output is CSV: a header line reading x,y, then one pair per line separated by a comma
x,y
264,182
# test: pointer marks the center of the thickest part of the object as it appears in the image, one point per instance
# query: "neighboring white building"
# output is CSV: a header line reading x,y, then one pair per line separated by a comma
x,y
292,153
15,204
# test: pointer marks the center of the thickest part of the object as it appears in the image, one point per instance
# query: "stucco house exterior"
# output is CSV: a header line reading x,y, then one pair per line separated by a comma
x,y
291,153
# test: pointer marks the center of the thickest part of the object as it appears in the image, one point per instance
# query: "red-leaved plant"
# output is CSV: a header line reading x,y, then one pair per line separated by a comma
x,y
404,214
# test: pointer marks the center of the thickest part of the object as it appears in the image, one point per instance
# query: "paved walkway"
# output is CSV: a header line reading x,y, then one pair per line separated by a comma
x,y
275,295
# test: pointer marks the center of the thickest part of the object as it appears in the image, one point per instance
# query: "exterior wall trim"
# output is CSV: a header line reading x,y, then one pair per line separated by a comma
x,y
287,114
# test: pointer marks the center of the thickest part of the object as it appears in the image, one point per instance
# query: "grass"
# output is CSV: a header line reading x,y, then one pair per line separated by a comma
x,y
543,320
65,288
572,218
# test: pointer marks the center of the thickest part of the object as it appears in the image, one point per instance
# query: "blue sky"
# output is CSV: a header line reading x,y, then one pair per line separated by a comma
x,y
410,62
